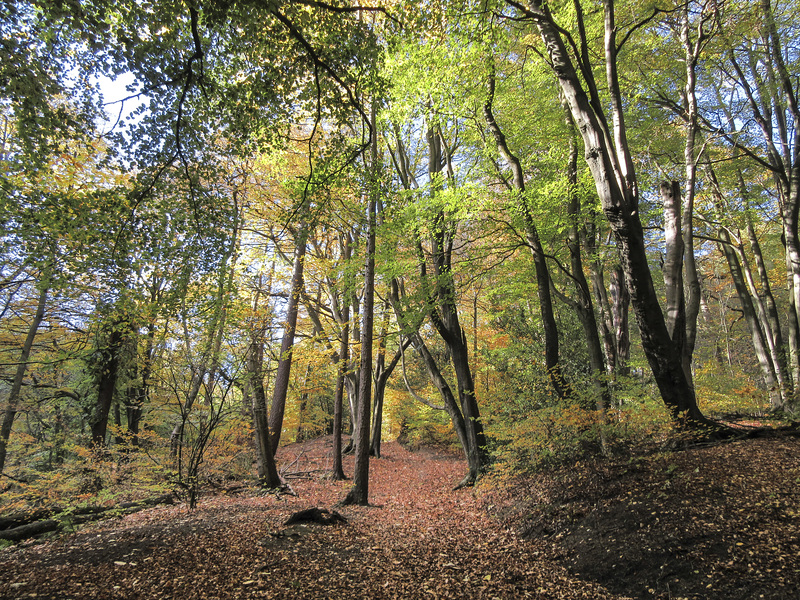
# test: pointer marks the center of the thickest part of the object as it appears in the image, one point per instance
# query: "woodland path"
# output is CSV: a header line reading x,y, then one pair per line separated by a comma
x,y
418,539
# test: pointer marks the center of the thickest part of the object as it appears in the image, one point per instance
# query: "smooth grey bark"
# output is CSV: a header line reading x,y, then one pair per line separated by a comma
x,y
12,403
675,305
612,304
694,37
266,468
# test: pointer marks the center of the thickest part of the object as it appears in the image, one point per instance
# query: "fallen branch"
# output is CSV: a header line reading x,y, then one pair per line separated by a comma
x,y
302,474
27,525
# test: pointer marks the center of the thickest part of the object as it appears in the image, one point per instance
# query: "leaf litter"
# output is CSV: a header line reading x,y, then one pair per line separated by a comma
x,y
696,524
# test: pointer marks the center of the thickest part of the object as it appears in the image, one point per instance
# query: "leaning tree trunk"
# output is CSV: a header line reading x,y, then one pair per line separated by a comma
x,y
16,386
770,307
476,439
443,311
752,308
440,303
770,89
450,405
750,316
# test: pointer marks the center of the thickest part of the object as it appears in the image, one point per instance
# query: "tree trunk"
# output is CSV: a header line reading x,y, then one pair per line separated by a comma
x,y
282,375
771,92
107,382
440,303
620,304
267,470
534,244
359,494
16,386
300,433
750,316
772,319
673,264
583,304
611,165
692,52
450,405
141,391
380,386
337,471
752,308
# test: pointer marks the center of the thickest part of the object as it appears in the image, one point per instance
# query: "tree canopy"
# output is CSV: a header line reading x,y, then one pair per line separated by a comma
x,y
395,219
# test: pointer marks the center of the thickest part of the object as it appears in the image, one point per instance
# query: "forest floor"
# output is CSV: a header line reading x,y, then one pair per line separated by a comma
x,y
714,523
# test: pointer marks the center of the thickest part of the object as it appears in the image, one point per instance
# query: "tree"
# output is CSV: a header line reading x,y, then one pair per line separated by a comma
x,y
281,384
763,85
12,402
610,160
533,240
254,367
359,493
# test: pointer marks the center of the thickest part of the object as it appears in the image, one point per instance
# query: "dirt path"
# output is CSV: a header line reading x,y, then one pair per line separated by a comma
x,y
419,539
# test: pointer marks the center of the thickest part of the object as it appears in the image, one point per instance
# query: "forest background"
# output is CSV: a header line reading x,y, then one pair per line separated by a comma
x,y
448,224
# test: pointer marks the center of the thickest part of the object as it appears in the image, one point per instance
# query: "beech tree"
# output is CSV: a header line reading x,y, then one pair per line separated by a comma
x,y
609,158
